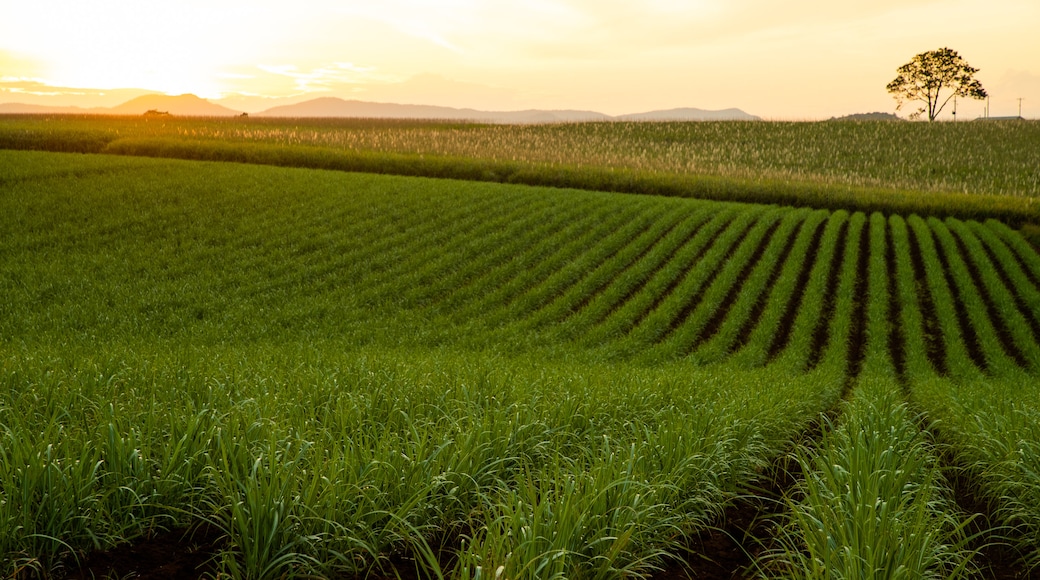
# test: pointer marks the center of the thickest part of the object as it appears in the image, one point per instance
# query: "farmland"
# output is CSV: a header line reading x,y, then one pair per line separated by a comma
x,y
970,170
342,374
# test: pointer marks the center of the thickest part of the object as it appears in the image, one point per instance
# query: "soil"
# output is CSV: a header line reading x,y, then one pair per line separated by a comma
x,y
723,553
726,553
171,555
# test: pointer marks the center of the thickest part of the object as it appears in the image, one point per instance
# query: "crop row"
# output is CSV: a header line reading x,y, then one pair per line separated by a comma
x,y
970,170
335,371
757,284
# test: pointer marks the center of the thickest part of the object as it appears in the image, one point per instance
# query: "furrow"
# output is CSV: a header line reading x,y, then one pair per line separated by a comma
x,y
863,295
822,323
661,239
436,257
1027,257
471,301
993,337
801,314
962,355
1010,269
640,300
657,306
785,284
475,254
896,331
737,309
920,354
601,274
676,248
1006,309
684,328
496,306
567,275
934,340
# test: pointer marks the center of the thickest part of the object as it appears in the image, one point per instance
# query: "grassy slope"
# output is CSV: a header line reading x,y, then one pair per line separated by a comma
x,y
280,311
931,169
184,341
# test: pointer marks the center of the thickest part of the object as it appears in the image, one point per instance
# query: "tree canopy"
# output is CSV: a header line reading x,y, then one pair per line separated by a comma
x,y
927,74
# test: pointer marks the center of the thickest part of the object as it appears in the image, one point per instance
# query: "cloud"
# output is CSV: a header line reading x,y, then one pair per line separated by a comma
x,y
31,86
36,91
321,78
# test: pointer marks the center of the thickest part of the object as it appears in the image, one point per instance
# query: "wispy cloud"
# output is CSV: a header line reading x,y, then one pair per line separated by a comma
x,y
325,77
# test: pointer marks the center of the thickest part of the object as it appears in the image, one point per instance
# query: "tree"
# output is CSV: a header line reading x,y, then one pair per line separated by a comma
x,y
927,74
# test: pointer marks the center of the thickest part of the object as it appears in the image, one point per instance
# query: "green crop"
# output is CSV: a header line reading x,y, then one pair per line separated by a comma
x,y
970,170
341,374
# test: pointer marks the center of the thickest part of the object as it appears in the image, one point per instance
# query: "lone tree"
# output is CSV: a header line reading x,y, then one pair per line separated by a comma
x,y
927,74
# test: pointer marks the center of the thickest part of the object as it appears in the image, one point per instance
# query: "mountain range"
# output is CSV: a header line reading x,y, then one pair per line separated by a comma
x,y
191,105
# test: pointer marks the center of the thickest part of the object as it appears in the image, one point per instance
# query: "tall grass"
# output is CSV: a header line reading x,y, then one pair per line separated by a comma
x,y
874,503
315,461
991,427
931,169
340,372
189,343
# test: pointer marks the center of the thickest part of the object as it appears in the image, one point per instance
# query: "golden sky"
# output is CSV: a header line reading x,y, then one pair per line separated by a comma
x,y
793,59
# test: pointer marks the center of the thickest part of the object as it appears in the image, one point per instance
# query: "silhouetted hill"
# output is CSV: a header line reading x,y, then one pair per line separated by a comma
x,y
181,105
336,107
868,117
193,106
690,114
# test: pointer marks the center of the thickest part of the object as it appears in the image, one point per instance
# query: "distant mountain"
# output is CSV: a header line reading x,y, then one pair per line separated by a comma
x,y
181,105
876,116
193,106
690,114
336,107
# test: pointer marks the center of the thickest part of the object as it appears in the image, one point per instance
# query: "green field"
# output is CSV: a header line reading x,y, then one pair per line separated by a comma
x,y
350,374
973,170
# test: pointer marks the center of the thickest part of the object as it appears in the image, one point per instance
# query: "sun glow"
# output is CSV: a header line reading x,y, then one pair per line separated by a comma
x,y
169,47
619,56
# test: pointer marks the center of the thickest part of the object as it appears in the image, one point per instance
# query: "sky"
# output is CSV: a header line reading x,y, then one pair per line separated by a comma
x,y
791,60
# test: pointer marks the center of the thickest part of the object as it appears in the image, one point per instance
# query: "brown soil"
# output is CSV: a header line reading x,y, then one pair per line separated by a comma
x,y
710,243
1016,292
858,331
173,555
933,337
803,275
896,339
715,322
794,305
637,288
968,333
695,300
1004,335
725,553
588,298
996,558
822,331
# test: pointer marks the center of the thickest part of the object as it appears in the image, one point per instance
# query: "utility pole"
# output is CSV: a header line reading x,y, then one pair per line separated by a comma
x,y
1020,106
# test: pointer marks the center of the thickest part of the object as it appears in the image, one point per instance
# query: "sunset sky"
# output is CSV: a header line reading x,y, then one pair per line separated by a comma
x,y
797,59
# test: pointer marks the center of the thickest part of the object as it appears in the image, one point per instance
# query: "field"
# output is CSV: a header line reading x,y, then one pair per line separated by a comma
x,y
346,375
969,170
